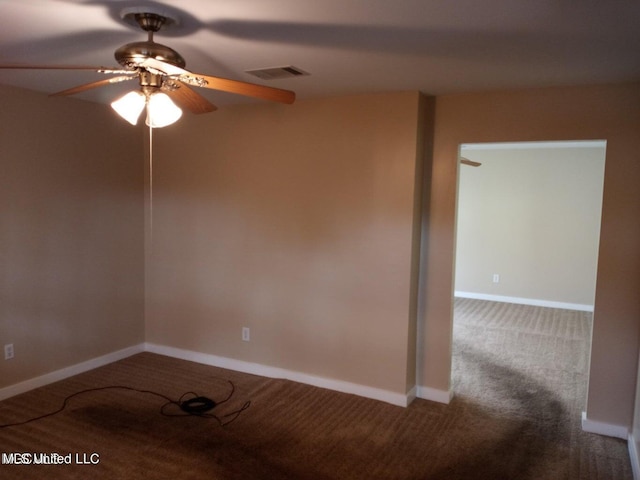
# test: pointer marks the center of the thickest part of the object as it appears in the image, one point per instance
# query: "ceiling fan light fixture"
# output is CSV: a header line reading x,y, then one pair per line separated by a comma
x,y
130,106
161,111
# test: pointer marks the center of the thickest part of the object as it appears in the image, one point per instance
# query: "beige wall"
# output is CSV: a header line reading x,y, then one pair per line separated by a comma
x,y
634,447
532,216
297,222
71,236
611,113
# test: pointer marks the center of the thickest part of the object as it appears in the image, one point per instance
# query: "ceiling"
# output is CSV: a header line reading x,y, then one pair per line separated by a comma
x,y
347,46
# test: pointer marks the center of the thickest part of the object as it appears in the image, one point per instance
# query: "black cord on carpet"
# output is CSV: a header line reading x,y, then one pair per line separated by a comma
x,y
198,406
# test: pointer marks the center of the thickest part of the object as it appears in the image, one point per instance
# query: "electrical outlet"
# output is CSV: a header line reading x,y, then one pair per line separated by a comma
x,y
496,278
246,334
8,351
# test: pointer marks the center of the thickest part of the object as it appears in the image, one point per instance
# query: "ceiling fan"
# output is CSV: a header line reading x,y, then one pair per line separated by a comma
x,y
162,76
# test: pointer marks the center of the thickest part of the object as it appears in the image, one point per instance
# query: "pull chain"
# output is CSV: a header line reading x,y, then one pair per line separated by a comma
x,y
150,188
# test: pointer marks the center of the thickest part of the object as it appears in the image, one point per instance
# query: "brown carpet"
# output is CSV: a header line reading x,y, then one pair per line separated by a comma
x,y
512,418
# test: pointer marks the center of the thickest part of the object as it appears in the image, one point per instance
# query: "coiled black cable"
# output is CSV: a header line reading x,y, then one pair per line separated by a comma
x,y
198,405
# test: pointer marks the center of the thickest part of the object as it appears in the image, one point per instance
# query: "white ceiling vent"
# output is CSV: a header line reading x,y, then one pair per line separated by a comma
x,y
274,73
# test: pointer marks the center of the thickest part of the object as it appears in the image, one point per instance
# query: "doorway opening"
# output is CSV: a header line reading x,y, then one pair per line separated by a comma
x,y
527,237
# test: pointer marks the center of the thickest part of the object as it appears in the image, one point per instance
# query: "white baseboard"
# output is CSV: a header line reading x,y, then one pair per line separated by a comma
x,y
525,301
435,395
601,428
411,395
222,362
393,398
67,372
633,455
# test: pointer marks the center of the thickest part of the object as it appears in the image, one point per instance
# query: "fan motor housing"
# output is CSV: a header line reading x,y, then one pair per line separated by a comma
x,y
133,54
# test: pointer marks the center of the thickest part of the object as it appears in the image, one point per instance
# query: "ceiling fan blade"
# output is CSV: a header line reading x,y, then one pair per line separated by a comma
x,y
189,99
466,161
16,66
244,88
158,66
89,86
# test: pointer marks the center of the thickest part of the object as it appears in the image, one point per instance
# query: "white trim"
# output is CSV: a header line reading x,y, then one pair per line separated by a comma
x,y
530,145
435,395
633,455
602,428
222,362
412,395
393,398
525,301
67,372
